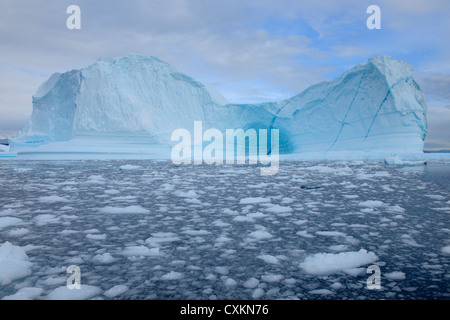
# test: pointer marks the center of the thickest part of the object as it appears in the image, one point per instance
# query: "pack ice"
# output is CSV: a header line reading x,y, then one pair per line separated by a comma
x,y
129,107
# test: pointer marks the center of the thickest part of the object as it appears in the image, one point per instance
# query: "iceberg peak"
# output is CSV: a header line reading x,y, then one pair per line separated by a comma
x,y
394,70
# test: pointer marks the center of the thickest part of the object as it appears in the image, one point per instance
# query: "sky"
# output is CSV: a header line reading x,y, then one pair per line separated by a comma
x,y
248,50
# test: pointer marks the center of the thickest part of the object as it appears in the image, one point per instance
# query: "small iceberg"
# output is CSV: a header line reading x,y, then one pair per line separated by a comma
x,y
4,152
396,160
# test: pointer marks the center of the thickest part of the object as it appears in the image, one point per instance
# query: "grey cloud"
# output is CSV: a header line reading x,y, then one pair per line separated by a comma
x,y
438,122
438,85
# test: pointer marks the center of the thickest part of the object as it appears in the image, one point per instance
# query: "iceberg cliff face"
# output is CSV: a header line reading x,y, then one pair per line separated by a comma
x,y
54,107
130,95
375,106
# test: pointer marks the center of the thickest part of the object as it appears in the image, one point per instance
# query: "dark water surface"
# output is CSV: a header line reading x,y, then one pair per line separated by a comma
x,y
226,232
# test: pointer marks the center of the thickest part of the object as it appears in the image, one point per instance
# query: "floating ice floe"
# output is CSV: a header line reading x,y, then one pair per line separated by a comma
x,y
135,209
27,293
140,251
14,263
268,258
116,291
129,167
51,199
396,275
84,293
172,275
104,258
9,221
446,250
260,235
329,263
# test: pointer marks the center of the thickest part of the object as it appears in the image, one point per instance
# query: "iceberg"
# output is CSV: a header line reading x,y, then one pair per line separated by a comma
x,y
396,160
128,107
373,107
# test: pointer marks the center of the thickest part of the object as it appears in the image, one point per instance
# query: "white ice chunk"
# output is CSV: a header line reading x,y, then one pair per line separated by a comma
x,y
446,250
51,199
161,238
196,232
321,292
337,285
328,263
407,239
371,204
257,293
278,209
116,291
396,275
172,275
84,293
27,293
104,258
222,270
395,209
268,258
251,283
260,235
135,209
230,283
339,247
272,277
304,234
14,263
18,232
129,167
45,218
331,233
9,221
435,196
189,194
140,251
96,236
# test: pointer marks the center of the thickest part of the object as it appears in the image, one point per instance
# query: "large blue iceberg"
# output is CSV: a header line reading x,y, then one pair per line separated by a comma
x,y
131,105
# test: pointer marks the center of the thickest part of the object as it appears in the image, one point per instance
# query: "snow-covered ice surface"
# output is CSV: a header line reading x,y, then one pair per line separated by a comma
x,y
160,231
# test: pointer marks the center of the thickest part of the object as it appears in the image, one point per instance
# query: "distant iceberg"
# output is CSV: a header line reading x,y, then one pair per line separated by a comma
x,y
396,160
128,108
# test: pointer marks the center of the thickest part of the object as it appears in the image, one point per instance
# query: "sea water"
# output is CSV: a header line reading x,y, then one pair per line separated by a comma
x,y
155,230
